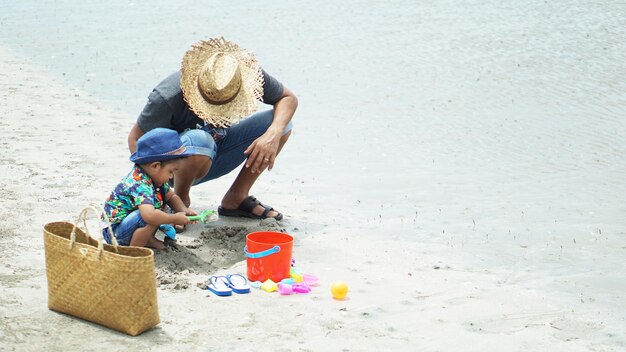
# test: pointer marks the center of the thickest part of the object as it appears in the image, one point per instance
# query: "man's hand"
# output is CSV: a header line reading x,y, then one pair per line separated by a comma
x,y
262,152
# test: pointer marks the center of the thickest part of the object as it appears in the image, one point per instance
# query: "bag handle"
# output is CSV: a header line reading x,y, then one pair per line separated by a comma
x,y
83,216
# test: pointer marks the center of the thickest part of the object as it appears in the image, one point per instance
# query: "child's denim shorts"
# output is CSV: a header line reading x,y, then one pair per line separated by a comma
x,y
124,230
225,146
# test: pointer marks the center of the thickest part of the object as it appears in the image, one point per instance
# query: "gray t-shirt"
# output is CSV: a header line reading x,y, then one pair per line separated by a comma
x,y
167,108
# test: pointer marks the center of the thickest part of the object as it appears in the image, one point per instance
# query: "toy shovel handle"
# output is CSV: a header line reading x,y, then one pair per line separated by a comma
x,y
202,216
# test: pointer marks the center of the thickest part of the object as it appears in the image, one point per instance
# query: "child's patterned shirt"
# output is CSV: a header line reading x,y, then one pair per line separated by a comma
x,y
135,189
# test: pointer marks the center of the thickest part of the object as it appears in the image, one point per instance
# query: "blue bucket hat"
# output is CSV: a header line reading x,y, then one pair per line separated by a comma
x,y
159,144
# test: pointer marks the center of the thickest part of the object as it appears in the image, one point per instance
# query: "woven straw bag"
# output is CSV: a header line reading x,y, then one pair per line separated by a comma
x,y
110,285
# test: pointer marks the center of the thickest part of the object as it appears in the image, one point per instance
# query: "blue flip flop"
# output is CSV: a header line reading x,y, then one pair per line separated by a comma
x,y
238,283
219,286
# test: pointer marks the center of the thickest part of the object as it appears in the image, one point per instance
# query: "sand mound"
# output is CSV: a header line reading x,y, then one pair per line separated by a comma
x,y
192,258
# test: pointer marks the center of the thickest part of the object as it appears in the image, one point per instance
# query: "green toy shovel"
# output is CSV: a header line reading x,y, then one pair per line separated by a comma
x,y
205,216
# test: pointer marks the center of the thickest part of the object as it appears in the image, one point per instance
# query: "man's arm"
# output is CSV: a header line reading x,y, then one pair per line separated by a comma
x,y
156,113
263,151
133,136
284,109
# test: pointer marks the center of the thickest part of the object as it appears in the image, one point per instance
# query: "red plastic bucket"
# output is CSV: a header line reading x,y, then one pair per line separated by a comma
x,y
268,255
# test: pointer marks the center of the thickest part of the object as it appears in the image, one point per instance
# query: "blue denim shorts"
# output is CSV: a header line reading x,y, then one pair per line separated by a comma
x,y
225,146
124,230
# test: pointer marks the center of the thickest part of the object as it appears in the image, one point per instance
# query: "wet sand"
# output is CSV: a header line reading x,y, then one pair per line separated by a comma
x,y
460,165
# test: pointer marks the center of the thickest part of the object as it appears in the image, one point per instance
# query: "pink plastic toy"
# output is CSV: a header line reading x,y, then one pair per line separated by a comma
x,y
285,289
300,288
310,280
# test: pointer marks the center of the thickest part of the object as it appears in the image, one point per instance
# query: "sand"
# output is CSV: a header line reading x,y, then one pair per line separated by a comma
x,y
459,165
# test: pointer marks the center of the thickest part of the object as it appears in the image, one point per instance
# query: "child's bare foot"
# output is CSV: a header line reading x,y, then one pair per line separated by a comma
x,y
154,243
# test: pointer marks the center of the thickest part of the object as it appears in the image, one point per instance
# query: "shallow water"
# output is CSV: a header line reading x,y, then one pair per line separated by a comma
x,y
400,101
494,129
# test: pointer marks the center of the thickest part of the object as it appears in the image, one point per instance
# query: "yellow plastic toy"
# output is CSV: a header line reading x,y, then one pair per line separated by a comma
x,y
269,286
297,277
339,289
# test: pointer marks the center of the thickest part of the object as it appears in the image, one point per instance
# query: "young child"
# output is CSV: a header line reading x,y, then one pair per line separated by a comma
x,y
135,207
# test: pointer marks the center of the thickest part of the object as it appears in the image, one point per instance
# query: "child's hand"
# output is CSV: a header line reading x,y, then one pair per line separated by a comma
x,y
181,218
190,212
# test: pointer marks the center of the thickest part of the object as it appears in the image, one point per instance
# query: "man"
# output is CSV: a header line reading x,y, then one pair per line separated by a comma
x,y
218,85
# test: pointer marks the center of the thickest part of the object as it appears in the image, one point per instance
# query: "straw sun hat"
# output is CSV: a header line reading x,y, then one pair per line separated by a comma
x,y
221,82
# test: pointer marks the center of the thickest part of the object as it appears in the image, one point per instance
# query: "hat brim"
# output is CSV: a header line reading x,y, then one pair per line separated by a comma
x,y
189,151
247,100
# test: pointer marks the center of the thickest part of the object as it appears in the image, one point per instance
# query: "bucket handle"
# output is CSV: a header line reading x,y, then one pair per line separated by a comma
x,y
261,254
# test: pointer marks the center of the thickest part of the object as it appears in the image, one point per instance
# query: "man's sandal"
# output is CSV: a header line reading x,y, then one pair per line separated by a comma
x,y
245,210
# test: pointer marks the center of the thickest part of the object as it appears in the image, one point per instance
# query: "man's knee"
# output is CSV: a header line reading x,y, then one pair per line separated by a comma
x,y
200,141
286,133
288,129
285,137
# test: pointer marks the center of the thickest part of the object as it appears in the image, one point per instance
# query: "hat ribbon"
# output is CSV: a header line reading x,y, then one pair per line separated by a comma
x,y
177,151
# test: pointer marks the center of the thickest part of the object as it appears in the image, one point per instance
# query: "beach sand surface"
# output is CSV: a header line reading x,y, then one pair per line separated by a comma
x,y
458,164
